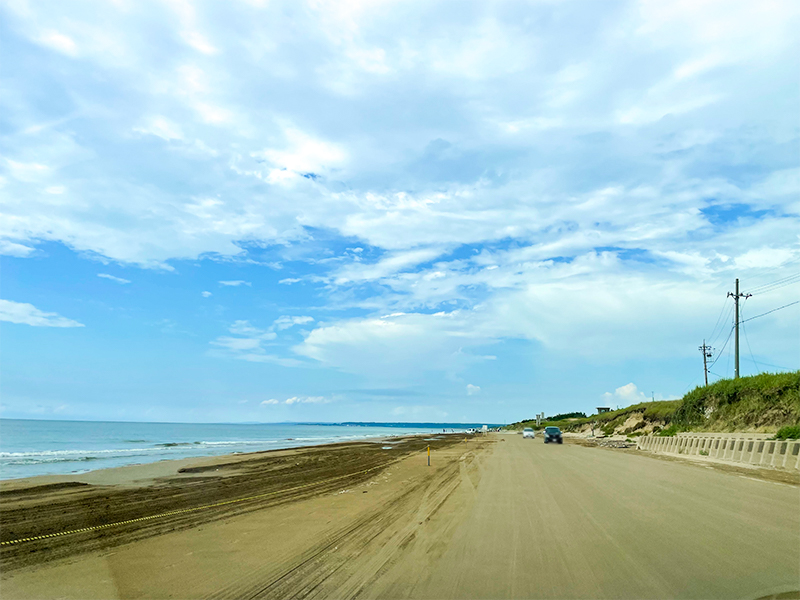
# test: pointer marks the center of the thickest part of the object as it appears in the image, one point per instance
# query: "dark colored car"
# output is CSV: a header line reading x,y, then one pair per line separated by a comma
x,y
552,434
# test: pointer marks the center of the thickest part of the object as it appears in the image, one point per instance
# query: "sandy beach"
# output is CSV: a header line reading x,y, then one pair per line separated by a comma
x,y
493,517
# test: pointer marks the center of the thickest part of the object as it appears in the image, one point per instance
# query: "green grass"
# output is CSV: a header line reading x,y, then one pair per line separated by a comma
x,y
765,402
659,411
791,432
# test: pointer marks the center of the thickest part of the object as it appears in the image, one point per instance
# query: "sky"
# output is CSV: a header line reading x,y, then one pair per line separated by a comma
x,y
391,211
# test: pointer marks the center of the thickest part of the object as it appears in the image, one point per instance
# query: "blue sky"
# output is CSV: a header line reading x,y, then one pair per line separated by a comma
x,y
268,211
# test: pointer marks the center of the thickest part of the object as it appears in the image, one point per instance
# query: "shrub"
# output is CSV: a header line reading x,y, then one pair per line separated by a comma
x,y
572,415
763,400
670,431
791,432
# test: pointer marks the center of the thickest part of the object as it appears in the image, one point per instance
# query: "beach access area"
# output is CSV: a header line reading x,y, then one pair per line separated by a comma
x,y
493,516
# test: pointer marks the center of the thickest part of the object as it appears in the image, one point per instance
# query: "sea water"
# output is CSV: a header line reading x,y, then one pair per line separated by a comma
x,y
34,447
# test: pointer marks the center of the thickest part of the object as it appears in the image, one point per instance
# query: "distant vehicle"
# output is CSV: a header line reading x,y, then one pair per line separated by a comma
x,y
528,433
552,434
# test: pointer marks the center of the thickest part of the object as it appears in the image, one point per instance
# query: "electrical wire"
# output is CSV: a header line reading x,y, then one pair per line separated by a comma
x,y
776,366
728,363
719,322
776,282
758,368
771,311
776,285
727,318
779,267
719,354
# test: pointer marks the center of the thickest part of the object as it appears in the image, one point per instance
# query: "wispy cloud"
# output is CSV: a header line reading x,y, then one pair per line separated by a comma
x,y
235,283
10,248
27,314
113,278
248,343
297,400
306,400
285,322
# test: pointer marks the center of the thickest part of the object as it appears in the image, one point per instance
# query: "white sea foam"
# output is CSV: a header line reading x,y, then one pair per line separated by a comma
x,y
30,448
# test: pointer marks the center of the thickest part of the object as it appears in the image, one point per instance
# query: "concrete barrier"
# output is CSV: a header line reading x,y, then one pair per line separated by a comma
x,y
748,448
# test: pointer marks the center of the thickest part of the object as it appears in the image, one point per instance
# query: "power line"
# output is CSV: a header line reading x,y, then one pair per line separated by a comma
x,y
776,282
758,368
779,267
728,318
776,285
719,354
772,311
728,363
725,305
776,366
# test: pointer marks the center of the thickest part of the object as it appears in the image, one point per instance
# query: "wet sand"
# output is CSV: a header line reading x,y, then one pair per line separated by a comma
x,y
197,491
492,517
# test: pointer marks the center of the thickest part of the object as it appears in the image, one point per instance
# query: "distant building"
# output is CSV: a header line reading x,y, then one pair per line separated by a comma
x,y
602,409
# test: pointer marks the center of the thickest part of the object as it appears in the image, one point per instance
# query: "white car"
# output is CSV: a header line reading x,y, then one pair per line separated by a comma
x,y
528,433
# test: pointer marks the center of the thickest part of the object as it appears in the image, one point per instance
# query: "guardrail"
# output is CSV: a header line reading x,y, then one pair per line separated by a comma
x,y
747,448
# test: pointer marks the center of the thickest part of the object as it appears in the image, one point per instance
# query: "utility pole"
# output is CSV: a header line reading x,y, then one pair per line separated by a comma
x,y
706,350
736,297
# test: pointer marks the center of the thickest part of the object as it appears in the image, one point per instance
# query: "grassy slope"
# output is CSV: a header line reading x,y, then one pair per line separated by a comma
x,y
764,402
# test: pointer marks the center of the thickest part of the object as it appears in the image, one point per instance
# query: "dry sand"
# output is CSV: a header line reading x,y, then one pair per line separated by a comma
x,y
494,517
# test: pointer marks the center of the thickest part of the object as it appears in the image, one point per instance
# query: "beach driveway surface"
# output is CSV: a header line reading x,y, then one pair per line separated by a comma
x,y
494,517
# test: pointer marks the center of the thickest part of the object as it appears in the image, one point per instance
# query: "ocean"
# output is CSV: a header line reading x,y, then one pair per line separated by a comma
x,y
34,447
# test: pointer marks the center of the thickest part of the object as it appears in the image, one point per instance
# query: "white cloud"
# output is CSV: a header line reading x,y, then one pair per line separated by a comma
x,y
205,294
285,322
10,248
161,127
243,327
27,171
269,402
473,390
197,41
306,400
214,115
249,345
580,213
235,283
625,395
113,278
27,314
764,258
236,344
396,262
59,41
302,154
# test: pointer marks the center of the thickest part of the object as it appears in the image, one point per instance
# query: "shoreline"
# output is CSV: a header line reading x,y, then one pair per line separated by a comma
x,y
50,517
56,451
145,473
